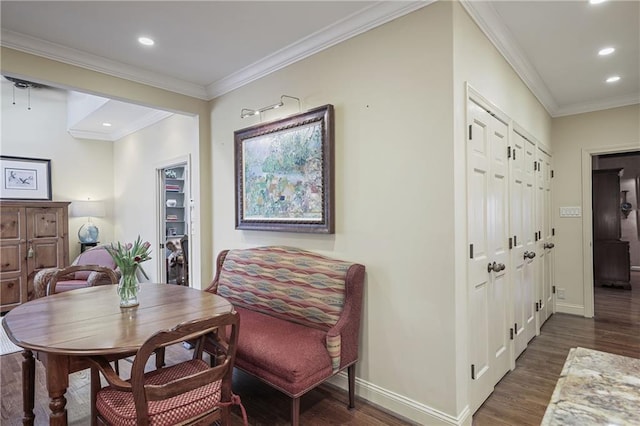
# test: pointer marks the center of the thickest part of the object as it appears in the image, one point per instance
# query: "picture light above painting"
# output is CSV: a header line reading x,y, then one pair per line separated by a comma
x,y
285,174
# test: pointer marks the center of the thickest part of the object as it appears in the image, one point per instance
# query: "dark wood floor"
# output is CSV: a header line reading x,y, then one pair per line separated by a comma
x,y
519,399
522,396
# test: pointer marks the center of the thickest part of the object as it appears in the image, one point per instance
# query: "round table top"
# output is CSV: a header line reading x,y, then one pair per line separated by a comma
x,y
89,321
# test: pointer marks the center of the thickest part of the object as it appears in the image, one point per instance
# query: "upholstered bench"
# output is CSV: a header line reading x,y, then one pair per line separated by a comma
x,y
299,316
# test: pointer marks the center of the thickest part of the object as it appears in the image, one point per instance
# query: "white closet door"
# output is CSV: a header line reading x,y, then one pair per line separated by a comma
x,y
543,229
528,239
517,193
488,238
523,256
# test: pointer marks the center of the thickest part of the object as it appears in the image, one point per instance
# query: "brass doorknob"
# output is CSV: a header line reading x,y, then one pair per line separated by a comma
x,y
549,245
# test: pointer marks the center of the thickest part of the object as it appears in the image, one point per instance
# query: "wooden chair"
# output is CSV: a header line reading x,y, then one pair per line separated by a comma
x,y
69,276
190,392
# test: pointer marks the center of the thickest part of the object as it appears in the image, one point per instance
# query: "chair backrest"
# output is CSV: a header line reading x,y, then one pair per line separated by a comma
x,y
94,256
209,330
79,269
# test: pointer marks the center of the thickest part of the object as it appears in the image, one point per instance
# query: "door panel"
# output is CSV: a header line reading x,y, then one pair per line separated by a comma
x,y
487,234
528,240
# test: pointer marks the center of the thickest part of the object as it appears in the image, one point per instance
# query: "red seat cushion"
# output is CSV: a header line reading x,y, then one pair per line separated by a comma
x,y
289,355
118,408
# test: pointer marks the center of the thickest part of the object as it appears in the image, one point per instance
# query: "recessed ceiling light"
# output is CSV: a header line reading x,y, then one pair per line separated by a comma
x,y
105,124
606,51
613,79
146,41
596,1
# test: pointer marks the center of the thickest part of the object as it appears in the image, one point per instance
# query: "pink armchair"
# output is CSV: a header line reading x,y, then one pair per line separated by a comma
x,y
89,269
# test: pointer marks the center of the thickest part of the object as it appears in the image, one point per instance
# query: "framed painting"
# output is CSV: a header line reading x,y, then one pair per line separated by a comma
x,y
284,174
25,178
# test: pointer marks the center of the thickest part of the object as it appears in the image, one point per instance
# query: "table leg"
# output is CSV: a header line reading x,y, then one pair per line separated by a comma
x,y
28,387
57,383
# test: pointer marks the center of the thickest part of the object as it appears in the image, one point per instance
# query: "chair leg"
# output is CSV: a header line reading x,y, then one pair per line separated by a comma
x,y
95,387
351,375
295,411
116,367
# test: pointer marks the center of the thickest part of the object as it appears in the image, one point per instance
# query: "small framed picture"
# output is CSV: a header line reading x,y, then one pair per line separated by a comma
x,y
25,178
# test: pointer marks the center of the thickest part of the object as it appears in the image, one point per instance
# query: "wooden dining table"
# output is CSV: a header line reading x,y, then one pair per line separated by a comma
x,y
63,329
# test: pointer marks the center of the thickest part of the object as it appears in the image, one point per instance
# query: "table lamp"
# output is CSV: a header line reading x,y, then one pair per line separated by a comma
x,y
88,233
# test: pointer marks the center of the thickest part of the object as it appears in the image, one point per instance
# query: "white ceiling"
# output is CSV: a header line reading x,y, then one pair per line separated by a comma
x,y
207,48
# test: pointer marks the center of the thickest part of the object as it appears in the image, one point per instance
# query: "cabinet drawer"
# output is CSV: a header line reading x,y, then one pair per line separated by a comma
x,y
10,291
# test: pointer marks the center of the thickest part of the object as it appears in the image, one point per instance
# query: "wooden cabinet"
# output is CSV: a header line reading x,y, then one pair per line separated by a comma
x,y
611,262
33,236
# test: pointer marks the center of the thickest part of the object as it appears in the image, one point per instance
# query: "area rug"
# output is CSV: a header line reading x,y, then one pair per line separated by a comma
x,y
6,345
595,388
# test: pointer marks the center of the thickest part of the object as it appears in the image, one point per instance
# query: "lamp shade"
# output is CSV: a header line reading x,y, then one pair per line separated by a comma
x,y
88,209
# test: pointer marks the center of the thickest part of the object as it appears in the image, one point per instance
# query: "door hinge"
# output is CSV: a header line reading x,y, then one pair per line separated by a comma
x,y
537,307
552,173
470,132
553,289
473,372
536,166
510,243
470,251
514,154
511,333
535,236
539,235
553,231
508,152
515,240
515,327
540,303
161,245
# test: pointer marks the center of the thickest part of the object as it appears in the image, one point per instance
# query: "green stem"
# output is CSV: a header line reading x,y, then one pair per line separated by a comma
x,y
128,287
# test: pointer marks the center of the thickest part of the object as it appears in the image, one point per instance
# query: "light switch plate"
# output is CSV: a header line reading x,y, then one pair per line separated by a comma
x,y
570,212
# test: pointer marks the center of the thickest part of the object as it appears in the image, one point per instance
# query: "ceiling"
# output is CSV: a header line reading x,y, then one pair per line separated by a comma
x,y
207,48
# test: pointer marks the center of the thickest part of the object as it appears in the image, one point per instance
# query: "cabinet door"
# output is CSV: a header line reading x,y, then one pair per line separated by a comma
x,y
46,238
13,272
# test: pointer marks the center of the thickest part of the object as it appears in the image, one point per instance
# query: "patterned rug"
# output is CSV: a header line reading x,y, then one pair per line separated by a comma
x,y
6,345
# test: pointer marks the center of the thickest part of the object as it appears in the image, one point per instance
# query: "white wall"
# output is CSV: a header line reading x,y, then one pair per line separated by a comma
x,y
80,168
394,195
616,129
136,160
398,92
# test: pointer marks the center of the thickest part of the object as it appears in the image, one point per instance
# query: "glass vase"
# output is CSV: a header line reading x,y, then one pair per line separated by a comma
x,y
128,288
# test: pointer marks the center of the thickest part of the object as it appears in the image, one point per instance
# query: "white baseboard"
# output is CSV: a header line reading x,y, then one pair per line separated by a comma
x,y
402,406
568,308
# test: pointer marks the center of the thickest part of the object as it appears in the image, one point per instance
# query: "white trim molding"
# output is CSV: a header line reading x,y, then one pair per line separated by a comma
x,y
402,406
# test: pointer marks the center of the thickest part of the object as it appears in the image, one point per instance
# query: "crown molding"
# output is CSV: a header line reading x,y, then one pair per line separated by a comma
x,y
146,120
491,24
56,52
350,26
486,17
599,105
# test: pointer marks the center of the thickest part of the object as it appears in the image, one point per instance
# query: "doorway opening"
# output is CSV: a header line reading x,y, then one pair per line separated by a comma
x,y
174,206
611,188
